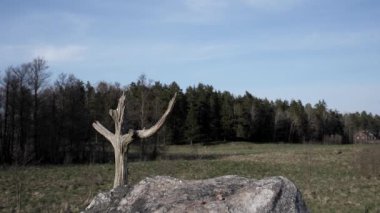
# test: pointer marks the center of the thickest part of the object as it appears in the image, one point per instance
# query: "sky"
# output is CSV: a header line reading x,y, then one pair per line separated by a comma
x,y
289,49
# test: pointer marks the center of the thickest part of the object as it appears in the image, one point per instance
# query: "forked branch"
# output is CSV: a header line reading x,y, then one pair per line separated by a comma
x,y
120,142
104,131
145,133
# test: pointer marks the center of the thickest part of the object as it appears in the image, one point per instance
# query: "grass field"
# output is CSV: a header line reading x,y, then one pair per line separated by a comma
x,y
332,178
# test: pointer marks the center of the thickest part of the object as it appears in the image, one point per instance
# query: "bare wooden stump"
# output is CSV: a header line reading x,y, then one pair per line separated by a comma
x,y
120,142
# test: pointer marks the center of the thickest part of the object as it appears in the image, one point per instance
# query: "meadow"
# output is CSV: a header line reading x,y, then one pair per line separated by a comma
x,y
332,178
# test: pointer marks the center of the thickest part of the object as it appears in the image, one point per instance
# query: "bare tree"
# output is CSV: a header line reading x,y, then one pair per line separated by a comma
x,y
144,87
8,130
120,142
36,79
23,92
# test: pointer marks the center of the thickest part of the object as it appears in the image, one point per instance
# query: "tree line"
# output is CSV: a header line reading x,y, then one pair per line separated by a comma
x,y
45,121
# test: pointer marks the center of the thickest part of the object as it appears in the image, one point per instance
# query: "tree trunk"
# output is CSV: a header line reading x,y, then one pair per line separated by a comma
x,y
6,148
37,146
290,133
121,168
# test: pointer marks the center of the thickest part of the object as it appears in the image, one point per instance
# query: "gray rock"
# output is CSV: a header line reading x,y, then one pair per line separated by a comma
x,y
222,194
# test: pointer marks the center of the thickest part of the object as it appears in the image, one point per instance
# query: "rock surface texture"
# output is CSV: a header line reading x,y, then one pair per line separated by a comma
x,y
222,194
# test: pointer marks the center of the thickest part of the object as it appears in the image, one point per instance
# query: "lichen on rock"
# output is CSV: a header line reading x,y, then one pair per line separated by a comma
x,y
221,194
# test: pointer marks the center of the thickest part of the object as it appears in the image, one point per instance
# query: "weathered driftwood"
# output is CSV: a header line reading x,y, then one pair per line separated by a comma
x,y
120,142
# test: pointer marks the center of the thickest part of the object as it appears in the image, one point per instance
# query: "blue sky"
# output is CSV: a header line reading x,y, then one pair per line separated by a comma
x,y
290,49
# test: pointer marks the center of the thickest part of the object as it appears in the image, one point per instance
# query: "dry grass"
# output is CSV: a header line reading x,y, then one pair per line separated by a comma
x,y
331,178
368,161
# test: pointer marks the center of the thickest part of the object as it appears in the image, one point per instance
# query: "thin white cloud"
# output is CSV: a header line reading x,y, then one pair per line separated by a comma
x,y
212,6
272,4
175,52
215,11
16,54
205,6
60,54
315,41
197,12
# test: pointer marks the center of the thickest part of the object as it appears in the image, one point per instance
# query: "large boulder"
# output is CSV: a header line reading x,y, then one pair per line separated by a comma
x,y
222,194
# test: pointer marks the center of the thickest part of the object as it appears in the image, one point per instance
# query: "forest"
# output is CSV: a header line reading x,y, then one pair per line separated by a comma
x,y
48,121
